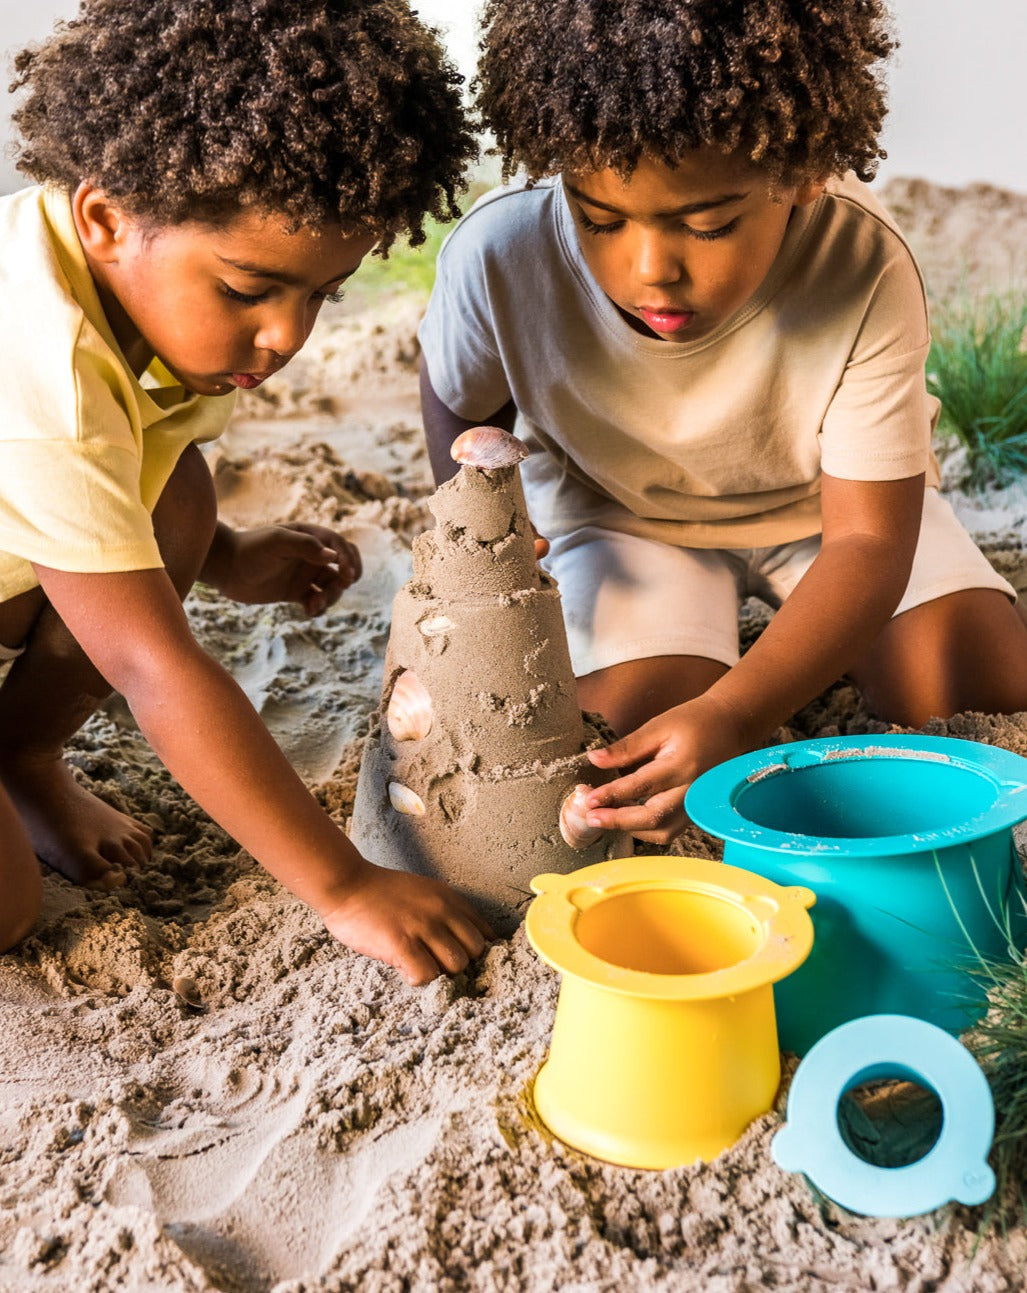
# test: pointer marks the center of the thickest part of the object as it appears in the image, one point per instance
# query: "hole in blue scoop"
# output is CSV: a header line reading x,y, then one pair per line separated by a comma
x,y
866,798
889,1117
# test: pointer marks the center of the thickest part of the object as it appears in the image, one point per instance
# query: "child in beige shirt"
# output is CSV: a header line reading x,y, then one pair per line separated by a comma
x,y
714,338
210,174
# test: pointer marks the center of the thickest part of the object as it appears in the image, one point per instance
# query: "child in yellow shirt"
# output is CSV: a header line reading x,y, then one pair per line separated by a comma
x,y
714,339
210,172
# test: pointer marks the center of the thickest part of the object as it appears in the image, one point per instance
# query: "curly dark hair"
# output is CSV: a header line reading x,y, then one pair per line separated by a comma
x,y
584,85
322,111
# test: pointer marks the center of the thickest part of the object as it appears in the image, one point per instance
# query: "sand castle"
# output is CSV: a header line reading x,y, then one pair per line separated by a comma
x,y
475,771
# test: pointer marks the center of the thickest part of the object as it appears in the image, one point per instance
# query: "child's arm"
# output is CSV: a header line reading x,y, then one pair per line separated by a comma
x,y
831,618
442,426
200,723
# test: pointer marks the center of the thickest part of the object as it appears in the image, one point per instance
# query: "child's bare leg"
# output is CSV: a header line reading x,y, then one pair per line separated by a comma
x,y
629,694
53,688
966,651
20,887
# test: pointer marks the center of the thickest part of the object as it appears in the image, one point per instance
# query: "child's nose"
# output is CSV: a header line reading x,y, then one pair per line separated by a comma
x,y
282,331
656,261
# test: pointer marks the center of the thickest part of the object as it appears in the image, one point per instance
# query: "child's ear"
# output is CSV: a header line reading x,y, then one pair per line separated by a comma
x,y
101,225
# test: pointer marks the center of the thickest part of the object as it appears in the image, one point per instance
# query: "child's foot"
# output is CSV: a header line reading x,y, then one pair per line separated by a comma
x,y
71,830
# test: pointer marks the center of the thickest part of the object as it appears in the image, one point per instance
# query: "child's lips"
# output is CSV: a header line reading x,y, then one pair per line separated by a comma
x,y
247,381
665,320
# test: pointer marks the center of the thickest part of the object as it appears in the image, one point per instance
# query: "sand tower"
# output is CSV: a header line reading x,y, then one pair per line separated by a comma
x,y
472,772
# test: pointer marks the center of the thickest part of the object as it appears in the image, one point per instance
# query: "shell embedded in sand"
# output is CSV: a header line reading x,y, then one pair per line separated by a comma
x,y
410,713
403,799
187,991
488,448
573,826
436,625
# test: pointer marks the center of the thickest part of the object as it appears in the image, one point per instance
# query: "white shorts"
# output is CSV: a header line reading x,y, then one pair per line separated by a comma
x,y
626,598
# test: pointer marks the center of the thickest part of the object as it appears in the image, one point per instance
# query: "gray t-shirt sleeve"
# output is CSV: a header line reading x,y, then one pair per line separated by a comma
x,y
457,335
878,425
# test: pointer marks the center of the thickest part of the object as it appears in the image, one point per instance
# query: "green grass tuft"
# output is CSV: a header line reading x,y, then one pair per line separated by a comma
x,y
999,1044
978,369
406,269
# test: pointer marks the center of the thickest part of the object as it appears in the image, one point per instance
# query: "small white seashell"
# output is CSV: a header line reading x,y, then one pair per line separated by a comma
x,y
488,448
573,826
409,714
404,800
436,625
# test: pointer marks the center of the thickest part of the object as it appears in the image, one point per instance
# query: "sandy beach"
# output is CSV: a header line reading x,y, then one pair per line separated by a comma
x,y
200,1090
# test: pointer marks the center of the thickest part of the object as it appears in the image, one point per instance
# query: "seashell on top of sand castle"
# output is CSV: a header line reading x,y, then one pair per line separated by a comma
x,y
476,770
488,448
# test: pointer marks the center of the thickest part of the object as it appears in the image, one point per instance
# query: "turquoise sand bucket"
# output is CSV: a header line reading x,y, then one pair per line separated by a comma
x,y
907,843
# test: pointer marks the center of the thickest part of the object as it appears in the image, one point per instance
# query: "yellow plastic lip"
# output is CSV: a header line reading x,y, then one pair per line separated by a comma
x,y
782,913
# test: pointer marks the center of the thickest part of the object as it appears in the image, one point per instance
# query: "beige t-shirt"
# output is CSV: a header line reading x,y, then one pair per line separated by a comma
x,y
85,447
715,443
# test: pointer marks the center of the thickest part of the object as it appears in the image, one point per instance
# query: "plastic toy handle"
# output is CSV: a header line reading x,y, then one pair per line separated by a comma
x,y
548,882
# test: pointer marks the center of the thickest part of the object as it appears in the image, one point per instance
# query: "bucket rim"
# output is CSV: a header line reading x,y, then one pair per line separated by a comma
x,y
781,910
711,799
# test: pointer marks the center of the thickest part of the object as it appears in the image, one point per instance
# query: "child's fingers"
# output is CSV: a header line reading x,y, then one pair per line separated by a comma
x,y
659,819
446,948
122,855
450,952
324,591
323,551
466,918
417,965
633,748
473,932
353,565
343,555
636,787
314,600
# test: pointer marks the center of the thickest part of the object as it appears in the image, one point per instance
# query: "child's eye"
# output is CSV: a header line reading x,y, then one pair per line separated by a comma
x,y
711,235
590,226
333,298
245,297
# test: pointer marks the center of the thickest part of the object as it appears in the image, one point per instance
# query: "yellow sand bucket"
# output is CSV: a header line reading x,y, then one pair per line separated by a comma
x,y
664,1045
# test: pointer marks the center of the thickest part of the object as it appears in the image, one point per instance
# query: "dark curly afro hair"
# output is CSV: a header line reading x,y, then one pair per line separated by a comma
x,y
582,85
323,111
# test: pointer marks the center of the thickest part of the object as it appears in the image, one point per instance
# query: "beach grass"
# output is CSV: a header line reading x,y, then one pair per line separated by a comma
x,y
999,1043
977,367
412,269
405,269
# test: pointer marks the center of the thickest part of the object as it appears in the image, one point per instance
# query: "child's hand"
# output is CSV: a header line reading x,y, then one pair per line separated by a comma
x,y
667,755
417,925
298,562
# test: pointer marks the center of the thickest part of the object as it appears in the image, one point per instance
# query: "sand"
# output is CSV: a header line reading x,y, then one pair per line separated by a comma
x,y
297,1119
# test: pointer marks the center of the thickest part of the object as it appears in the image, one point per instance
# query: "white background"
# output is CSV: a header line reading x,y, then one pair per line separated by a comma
x,y
958,83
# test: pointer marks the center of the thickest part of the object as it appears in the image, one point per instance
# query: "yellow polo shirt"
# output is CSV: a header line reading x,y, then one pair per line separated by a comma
x,y
86,447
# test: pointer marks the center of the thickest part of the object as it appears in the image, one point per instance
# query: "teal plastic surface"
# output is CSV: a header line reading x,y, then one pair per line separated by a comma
x,y
907,843
890,1046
